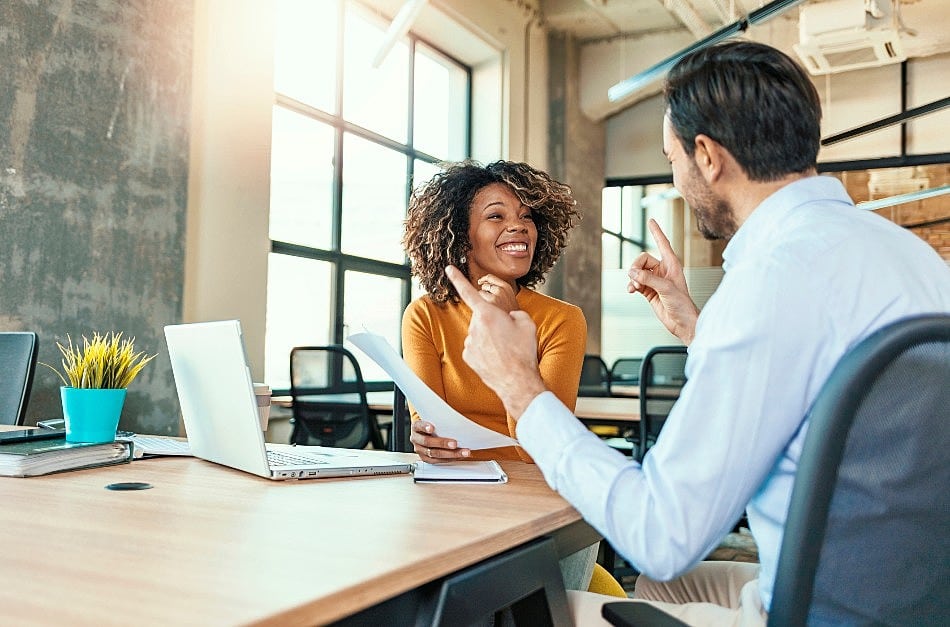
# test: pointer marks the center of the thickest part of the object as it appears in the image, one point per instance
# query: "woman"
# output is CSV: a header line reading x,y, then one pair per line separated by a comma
x,y
504,225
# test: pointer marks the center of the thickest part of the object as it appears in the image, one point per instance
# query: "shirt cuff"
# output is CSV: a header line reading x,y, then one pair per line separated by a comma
x,y
546,429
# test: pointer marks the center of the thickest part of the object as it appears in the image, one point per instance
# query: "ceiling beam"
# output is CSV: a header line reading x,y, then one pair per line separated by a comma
x,y
626,88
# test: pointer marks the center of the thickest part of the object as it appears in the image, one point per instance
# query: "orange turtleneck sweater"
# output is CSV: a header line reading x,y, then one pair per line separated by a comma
x,y
433,336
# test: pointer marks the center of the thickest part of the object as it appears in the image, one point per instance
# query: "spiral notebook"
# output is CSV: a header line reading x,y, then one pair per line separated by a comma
x,y
460,472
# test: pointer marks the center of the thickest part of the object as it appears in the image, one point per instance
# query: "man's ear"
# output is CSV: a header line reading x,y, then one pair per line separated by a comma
x,y
709,157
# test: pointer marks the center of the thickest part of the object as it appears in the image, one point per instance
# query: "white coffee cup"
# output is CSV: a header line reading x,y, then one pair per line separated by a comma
x,y
262,393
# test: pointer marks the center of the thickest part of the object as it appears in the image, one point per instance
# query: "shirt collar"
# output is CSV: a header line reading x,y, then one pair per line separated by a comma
x,y
768,216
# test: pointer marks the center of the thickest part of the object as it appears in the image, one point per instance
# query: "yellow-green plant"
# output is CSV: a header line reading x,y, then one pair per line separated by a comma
x,y
106,361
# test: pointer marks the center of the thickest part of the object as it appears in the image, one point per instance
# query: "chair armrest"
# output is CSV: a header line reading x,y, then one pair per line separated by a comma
x,y
638,615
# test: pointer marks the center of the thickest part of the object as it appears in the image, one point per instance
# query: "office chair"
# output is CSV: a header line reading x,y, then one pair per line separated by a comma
x,y
329,403
594,377
17,364
662,376
625,371
867,538
399,432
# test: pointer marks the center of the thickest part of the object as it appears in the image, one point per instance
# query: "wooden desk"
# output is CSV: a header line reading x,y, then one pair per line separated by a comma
x,y
213,546
379,402
608,409
625,389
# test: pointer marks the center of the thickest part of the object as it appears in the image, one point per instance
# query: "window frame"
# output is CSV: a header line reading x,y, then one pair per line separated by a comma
x,y
340,261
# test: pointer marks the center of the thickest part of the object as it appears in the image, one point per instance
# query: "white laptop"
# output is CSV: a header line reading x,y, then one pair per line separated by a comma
x,y
220,412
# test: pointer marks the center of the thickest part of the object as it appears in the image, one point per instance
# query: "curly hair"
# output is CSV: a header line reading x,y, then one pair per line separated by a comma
x,y
437,221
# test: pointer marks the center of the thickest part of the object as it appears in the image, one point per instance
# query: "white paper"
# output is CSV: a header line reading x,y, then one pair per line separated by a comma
x,y
147,445
448,422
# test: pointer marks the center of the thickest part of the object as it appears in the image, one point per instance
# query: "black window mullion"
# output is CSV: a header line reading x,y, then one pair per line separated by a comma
x,y
336,281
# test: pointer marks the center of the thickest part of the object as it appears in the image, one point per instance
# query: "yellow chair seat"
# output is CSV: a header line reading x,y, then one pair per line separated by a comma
x,y
602,582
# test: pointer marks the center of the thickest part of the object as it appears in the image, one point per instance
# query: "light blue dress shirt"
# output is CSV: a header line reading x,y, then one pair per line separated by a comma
x,y
807,276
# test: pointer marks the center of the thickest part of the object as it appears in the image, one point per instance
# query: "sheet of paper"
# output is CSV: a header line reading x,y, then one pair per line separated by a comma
x,y
146,445
448,422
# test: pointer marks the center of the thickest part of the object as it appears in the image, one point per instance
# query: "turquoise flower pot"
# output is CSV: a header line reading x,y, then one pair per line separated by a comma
x,y
92,415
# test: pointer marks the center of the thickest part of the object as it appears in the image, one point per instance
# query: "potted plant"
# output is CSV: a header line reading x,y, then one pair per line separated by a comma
x,y
95,376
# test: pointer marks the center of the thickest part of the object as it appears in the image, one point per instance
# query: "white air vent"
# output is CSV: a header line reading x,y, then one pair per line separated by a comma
x,y
842,35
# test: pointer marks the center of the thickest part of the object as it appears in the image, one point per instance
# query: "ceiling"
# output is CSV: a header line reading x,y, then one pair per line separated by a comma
x,y
598,20
602,19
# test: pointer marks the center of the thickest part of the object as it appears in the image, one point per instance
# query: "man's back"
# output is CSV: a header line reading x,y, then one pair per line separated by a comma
x,y
807,277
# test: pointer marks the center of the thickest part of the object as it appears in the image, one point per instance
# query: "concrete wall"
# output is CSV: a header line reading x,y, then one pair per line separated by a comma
x,y
94,116
576,149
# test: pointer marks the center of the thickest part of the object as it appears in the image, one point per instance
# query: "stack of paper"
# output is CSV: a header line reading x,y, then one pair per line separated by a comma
x,y
155,445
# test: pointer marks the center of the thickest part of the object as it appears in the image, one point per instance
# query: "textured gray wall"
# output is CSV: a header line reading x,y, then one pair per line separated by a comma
x,y
576,157
94,113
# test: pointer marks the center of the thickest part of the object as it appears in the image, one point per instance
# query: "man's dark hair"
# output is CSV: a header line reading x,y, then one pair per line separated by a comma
x,y
753,100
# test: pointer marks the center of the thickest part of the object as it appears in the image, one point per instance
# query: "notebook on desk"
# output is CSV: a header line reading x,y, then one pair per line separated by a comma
x,y
220,411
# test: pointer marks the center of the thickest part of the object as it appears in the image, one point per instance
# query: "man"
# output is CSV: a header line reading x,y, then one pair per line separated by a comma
x,y
807,276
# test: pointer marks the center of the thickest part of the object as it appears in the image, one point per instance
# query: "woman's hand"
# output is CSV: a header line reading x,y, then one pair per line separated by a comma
x,y
498,293
433,449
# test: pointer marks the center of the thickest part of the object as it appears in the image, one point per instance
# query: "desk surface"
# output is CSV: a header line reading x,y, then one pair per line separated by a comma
x,y
608,408
212,545
381,402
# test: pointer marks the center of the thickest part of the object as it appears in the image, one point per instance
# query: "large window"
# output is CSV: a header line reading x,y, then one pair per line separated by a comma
x,y
625,212
349,141
626,208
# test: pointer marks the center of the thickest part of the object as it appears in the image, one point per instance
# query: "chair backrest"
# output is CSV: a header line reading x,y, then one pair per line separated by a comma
x,y
662,376
399,433
320,371
867,539
17,363
626,371
595,378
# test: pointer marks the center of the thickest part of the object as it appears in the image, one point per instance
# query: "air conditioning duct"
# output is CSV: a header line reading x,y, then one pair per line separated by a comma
x,y
841,35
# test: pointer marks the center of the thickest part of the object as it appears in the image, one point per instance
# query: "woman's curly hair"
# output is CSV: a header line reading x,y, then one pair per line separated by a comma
x,y
437,222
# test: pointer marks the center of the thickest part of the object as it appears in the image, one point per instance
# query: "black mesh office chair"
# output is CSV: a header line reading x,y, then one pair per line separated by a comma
x,y
400,430
594,377
329,399
17,363
662,376
625,373
867,539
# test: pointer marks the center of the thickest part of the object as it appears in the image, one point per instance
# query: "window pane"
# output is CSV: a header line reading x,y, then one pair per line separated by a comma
x,y
632,212
301,192
610,209
305,52
374,303
422,171
416,290
441,100
374,200
630,253
658,205
374,98
611,251
298,312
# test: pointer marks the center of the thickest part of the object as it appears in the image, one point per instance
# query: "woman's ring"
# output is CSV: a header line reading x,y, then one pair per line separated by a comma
x,y
429,452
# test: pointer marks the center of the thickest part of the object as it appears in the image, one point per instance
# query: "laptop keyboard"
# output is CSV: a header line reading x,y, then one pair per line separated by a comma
x,y
283,458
